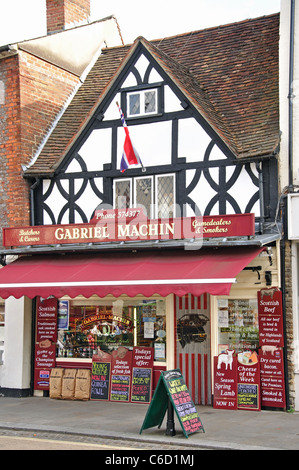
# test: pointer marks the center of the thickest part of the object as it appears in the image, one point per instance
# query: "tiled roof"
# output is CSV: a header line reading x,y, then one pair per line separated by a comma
x,y
229,73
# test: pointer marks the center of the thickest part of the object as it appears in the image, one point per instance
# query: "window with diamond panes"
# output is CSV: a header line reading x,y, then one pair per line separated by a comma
x,y
142,103
122,194
150,101
165,199
155,193
134,104
144,194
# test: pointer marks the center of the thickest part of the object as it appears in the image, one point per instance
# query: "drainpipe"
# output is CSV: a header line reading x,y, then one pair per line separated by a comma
x,y
291,96
32,188
261,190
283,208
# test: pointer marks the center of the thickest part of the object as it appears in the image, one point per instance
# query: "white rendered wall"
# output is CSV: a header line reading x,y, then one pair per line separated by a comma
x,y
15,371
284,53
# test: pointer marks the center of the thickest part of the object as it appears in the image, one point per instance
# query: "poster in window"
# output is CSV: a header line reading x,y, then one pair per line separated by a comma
x,y
63,315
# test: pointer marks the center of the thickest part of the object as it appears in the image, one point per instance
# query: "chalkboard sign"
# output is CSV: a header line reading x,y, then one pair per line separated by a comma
x,y
248,377
248,396
121,369
100,380
171,386
143,359
141,385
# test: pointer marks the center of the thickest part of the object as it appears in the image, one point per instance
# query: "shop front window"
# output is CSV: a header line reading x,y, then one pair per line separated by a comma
x,y
237,325
87,327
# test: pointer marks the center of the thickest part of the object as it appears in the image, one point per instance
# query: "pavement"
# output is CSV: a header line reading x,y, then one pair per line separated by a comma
x,y
224,429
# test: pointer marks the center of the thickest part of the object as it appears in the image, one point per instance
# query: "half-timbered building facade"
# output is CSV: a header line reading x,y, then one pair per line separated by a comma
x,y
202,111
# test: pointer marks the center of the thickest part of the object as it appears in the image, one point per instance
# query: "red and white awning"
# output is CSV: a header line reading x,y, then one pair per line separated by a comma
x,y
204,271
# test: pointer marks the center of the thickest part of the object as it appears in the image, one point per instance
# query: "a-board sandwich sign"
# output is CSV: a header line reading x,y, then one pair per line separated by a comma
x,y
172,386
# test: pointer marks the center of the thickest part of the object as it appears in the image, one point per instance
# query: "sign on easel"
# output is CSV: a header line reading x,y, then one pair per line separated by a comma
x,y
171,386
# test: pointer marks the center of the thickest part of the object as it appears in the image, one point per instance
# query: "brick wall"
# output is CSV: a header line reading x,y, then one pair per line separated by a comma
x,y
32,94
14,204
44,89
61,13
289,320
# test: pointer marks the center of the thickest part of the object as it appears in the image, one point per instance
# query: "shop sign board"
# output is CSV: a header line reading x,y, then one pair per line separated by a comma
x,y
142,374
100,377
172,386
45,344
271,340
272,378
225,381
123,375
248,377
119,229
121,371
270,317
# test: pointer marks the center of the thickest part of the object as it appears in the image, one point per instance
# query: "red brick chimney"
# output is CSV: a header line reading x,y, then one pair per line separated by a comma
x,y
61,13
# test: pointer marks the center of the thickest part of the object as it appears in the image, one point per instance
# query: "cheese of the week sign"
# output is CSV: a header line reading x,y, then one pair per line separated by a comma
x,y
128,225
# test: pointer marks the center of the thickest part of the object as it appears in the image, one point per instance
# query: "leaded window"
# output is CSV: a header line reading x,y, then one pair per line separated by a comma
x,y
156,194
142,103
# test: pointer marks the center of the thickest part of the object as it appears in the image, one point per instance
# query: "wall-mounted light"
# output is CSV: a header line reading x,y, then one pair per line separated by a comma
x,y
268,277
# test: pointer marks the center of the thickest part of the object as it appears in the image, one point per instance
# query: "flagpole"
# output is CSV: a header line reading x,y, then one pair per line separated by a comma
x,y
120,111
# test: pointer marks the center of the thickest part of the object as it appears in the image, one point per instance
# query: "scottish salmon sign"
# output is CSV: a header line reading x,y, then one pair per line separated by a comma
x,y
118,226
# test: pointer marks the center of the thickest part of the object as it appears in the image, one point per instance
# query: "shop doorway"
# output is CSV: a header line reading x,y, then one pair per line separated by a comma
x,y
193,345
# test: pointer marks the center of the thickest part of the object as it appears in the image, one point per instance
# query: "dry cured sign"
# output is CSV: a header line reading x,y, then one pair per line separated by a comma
x,y
272,377
126,229
271,339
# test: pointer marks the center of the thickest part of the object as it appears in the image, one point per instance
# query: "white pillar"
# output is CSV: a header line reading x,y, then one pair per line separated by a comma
x,y
16,369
